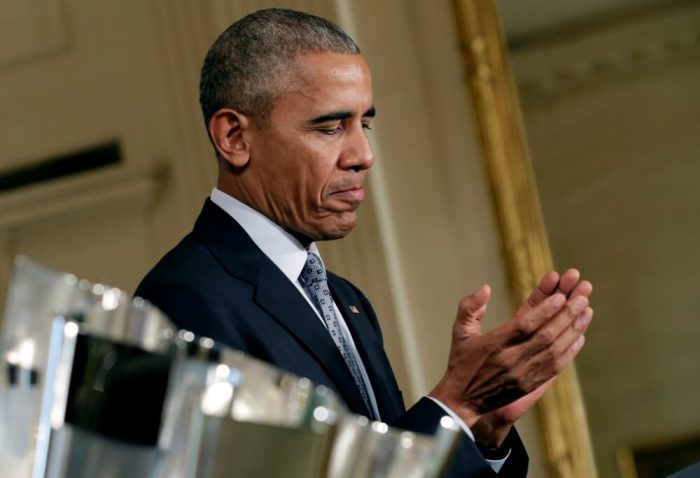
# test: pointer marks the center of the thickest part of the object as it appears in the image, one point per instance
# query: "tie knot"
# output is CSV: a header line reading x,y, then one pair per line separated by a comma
x,y
313,270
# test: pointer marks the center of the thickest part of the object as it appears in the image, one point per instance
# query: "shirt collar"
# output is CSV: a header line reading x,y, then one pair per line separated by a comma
x,y
283,249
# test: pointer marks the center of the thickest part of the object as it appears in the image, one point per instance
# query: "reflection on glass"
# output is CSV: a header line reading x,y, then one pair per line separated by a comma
x,y
76,356
98,385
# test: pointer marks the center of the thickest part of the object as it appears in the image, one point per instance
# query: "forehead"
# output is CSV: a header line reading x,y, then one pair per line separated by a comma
x,y
332,66
321,82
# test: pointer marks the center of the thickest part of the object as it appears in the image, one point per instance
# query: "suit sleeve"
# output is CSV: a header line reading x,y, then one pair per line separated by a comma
x,y
468,461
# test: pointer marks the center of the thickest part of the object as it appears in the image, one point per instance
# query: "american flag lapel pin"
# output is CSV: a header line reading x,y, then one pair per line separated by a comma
x,y
354,309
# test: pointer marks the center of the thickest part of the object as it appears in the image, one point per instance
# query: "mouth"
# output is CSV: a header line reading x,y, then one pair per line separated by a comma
x,y
352,195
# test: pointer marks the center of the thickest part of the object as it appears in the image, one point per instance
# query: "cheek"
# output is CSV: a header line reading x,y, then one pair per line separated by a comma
x,y
322,185
304,170
318,177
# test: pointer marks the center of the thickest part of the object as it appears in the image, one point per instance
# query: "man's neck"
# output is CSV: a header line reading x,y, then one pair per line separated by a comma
x,y
234,193
303,239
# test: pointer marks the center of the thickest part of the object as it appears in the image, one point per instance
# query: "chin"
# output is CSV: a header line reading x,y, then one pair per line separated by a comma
x,y
331,236
336,231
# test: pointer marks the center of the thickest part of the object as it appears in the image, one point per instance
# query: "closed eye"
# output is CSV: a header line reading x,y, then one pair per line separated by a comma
x,y
330,131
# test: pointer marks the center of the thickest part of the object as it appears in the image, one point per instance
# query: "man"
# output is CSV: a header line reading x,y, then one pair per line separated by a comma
x,y
286,99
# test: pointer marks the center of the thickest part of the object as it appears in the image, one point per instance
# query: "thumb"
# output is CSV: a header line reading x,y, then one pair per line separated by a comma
x,y
471,310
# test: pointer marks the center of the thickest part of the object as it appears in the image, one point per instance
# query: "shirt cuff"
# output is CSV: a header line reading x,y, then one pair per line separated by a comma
x,y
496,465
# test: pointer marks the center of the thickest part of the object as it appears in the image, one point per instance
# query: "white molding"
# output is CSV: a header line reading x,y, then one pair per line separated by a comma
x,y
553,68
114,187
31,30
184,33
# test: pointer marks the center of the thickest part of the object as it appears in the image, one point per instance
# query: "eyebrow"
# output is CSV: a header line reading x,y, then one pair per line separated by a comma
x,y
341,115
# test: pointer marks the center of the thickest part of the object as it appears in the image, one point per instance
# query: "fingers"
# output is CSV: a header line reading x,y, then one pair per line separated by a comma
x,y
472,309
544,289
568,355
559,328
571,334
569,284
557,351
529,321
583,288
552,326
568,281
472,306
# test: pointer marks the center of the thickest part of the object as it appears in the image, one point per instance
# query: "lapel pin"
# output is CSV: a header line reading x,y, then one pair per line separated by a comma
x,y
354,309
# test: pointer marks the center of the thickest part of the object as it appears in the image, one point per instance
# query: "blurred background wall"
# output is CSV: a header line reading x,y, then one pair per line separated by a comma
x,y
108,91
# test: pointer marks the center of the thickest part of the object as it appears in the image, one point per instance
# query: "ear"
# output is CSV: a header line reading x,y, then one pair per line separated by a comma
x,y
227,130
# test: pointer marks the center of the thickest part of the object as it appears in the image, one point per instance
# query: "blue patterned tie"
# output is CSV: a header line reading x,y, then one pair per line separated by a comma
x,y
313,278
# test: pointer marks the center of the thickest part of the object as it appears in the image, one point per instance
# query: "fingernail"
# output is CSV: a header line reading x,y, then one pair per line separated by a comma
x,y
557,300
579,343
578,304
582,321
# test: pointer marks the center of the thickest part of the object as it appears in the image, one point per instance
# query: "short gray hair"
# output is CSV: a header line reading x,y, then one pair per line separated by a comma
x,y
246,67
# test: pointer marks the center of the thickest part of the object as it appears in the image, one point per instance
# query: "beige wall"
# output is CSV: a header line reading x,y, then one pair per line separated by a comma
x,y
613,115
91,82
128,71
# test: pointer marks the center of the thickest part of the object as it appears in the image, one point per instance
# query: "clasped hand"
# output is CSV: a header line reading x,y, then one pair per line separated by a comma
x,y
492,378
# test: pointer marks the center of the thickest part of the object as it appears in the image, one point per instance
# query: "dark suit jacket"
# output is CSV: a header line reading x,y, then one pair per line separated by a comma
x,y
216,282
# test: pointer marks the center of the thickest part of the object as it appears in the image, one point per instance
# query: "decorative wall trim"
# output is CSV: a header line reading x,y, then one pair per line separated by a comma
x,y
605,53
561,410
108,188
184,32
32,29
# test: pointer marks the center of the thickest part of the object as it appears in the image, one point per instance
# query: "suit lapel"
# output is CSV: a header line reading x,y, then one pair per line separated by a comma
x,y
370,348
241,258
282,301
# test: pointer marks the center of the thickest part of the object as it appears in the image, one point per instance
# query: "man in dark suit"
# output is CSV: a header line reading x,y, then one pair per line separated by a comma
x,y
286,99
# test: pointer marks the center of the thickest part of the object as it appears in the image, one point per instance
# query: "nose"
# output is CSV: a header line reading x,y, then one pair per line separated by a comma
x,y
357,154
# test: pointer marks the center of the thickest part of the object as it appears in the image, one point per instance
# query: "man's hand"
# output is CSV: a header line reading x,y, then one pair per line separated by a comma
x,y
493,378
493,427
